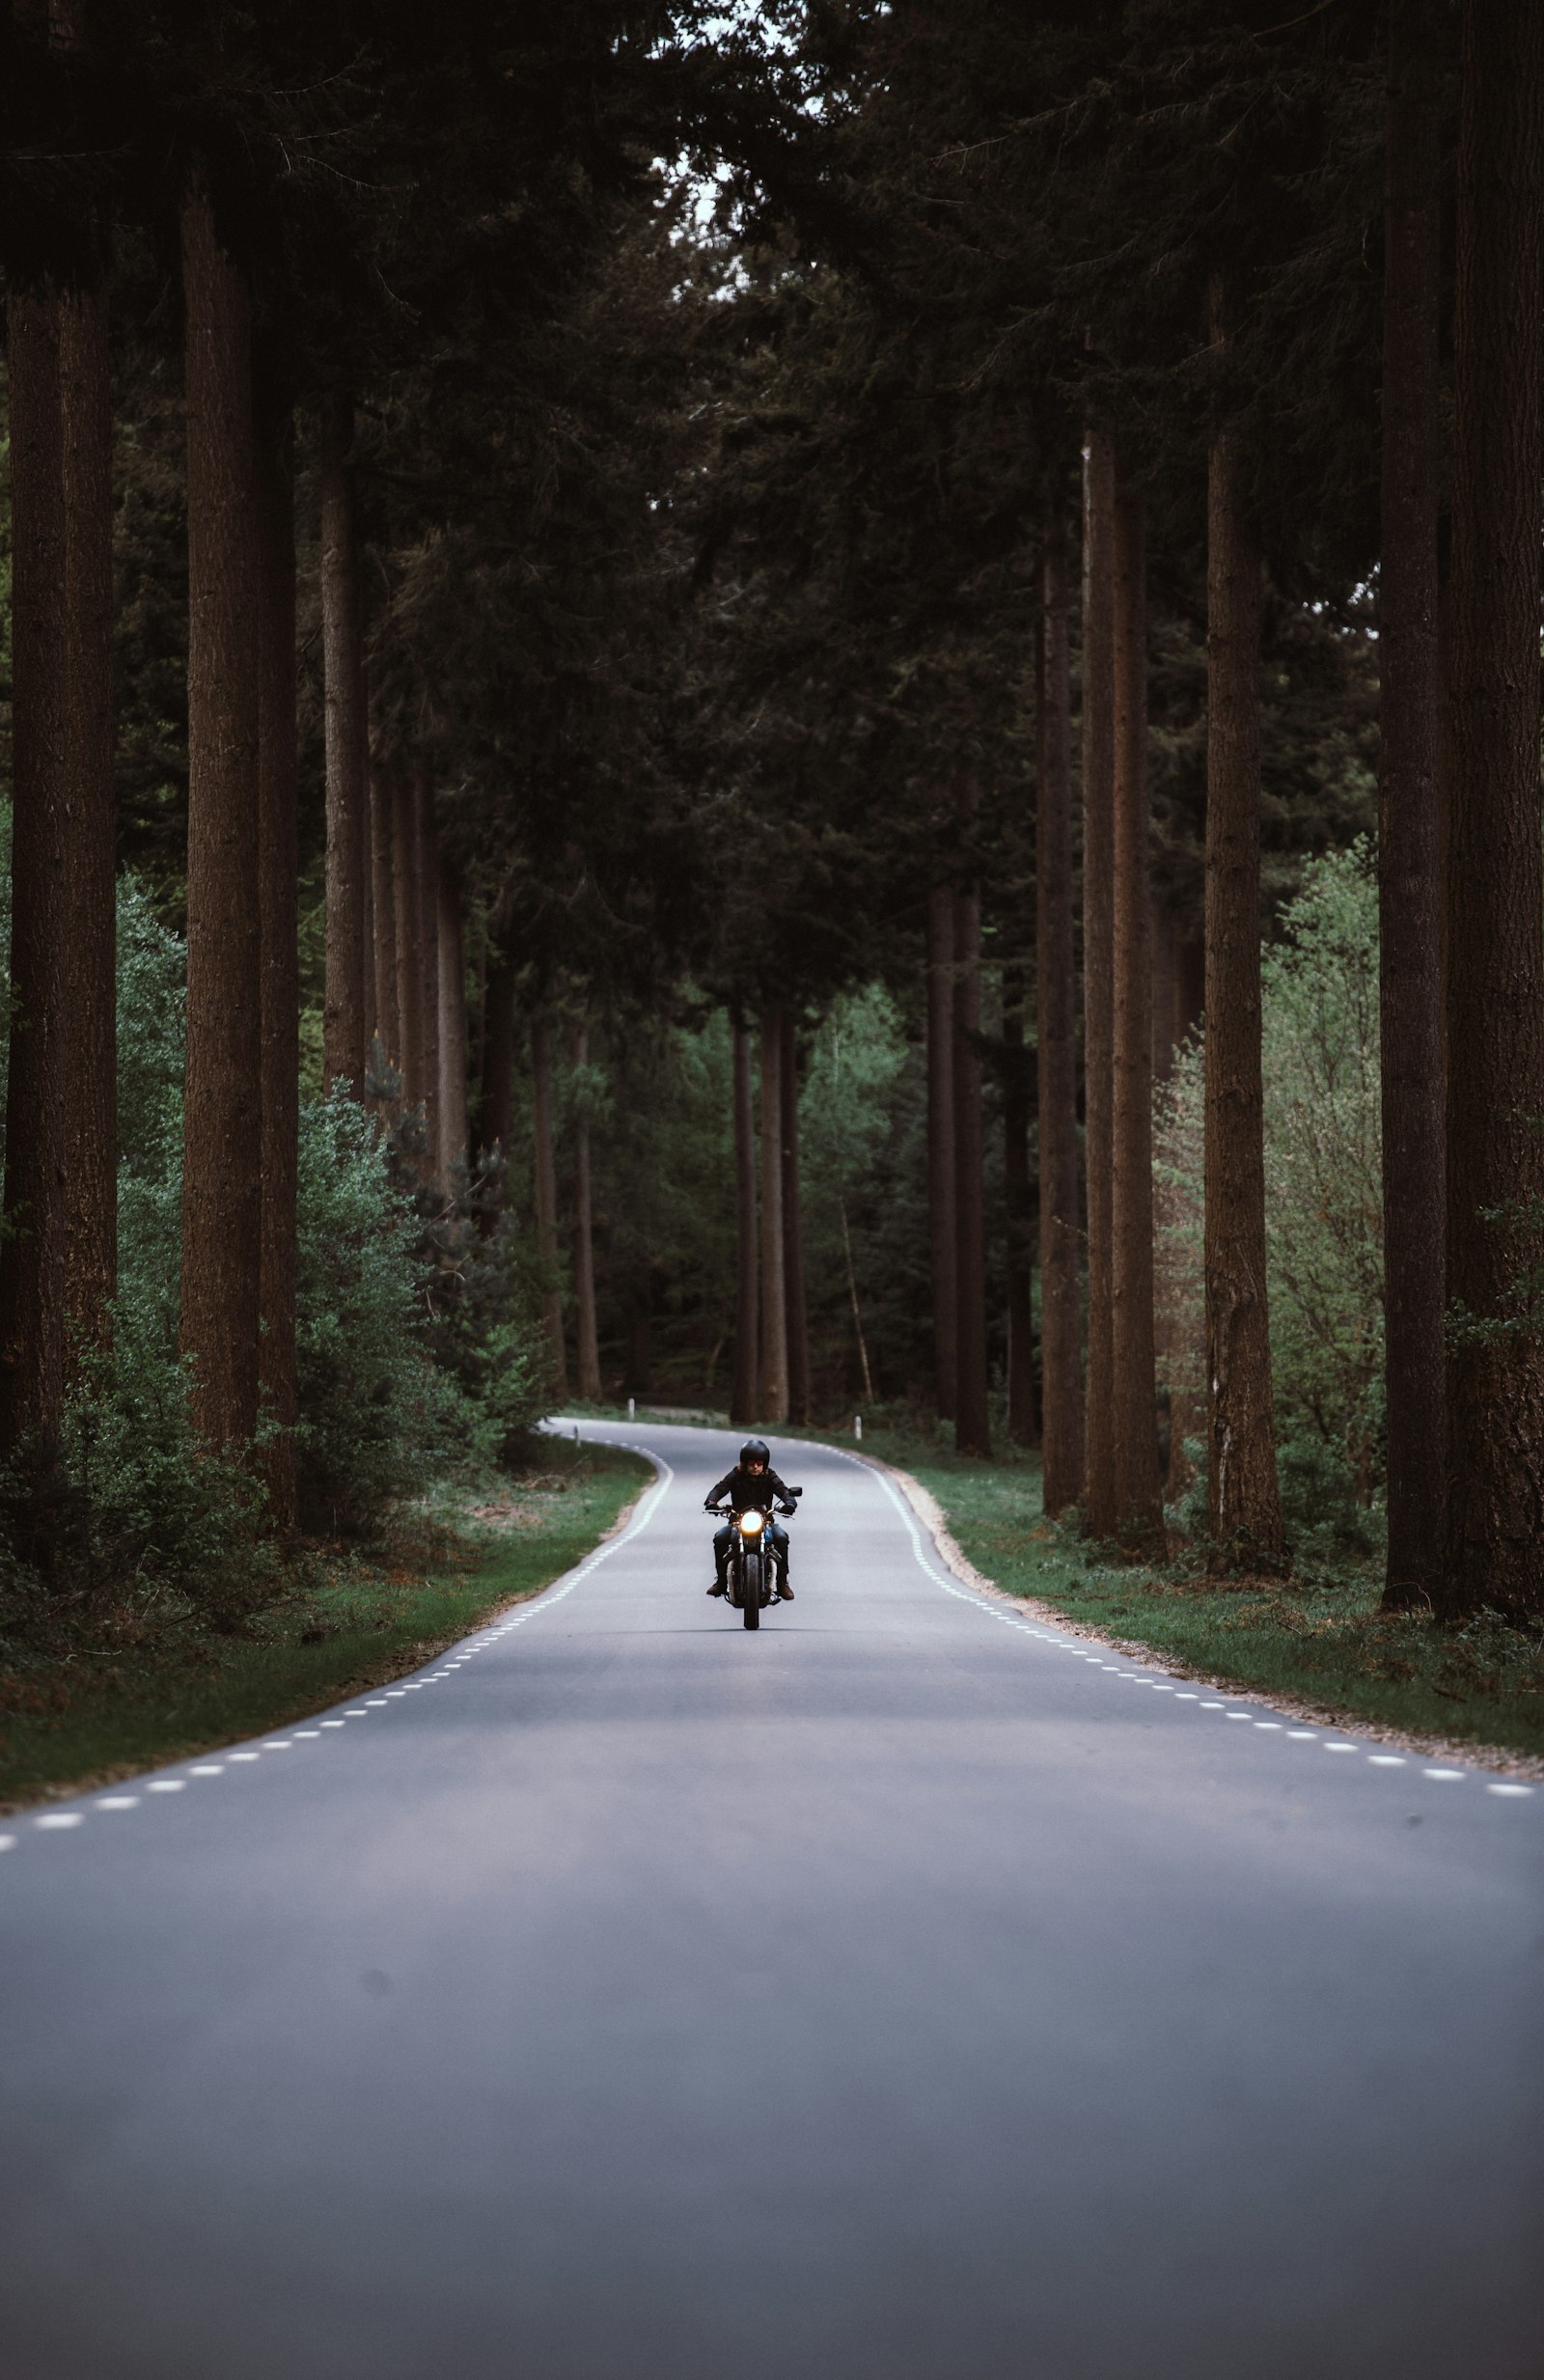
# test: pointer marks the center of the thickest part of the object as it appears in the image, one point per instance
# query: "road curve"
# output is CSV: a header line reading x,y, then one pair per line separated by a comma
x,y
906,1992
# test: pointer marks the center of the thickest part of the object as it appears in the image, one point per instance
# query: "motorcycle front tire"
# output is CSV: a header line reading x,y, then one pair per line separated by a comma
x,y
753,1590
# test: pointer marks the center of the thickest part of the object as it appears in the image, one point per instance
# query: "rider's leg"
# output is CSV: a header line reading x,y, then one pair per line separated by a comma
x,y
723,1540
780,1552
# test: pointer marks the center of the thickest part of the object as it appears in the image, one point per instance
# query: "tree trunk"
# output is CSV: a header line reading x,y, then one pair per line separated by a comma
x,y
89,1021
406,892
1409,851
774,1400
546,1189
374,1048
451,1000
1139,1511
1099,939
222,1233
383,920
1246,1510
793,1229
584,1240
1496,867
747,1349
1018,1187
638,1321
278,867
496,1109
1055,1044
345,1034
32,1250
942,1226
973,1433
1178,1337
426,904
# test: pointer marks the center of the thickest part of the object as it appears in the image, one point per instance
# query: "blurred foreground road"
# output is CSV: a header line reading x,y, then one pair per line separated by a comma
x,y
908,1991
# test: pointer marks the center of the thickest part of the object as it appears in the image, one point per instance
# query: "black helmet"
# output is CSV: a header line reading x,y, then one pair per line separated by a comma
x,y
756,1451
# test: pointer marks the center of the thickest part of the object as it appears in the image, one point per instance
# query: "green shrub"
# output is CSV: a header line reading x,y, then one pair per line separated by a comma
x,y
1323,1217
144,1504
415,1342
377,1418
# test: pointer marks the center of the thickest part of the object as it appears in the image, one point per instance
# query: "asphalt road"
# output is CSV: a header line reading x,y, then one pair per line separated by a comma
x,y
905,1992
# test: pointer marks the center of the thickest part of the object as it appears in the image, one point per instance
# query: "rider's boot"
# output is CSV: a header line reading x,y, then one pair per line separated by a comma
x,y
717,1588
784,1590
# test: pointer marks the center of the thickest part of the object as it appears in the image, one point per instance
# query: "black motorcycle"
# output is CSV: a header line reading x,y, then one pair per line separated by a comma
x,y
753,1571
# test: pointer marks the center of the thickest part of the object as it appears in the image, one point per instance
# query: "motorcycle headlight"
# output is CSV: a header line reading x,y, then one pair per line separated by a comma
x,y
751,1524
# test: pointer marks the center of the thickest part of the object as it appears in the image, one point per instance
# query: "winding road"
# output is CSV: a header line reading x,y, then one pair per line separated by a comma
x,y
910,1991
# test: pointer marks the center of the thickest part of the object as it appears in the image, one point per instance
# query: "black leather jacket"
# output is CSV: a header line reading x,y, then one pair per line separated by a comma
x,y
747,1494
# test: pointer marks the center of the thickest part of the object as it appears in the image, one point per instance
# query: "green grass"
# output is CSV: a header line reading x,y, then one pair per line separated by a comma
x,y
100,1707
1323,1643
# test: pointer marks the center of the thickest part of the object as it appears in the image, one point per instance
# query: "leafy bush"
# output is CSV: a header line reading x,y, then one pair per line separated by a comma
x,y
377,1416
1323,1214
146,1505
414,1343
482,1281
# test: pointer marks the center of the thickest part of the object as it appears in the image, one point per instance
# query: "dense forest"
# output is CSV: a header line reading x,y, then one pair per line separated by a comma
x,y
809,709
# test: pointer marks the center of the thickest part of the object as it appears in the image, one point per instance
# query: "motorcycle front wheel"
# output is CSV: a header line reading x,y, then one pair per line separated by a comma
x,y
753,1590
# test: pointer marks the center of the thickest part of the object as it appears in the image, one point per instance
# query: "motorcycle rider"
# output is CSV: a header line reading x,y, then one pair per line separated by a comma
x,y
752,1485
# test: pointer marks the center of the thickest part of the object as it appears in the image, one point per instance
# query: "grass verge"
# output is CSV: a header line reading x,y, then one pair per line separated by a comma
x,y
1322,1642
111,1700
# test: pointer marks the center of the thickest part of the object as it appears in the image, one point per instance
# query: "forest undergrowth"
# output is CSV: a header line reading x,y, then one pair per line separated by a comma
x,y
98,1686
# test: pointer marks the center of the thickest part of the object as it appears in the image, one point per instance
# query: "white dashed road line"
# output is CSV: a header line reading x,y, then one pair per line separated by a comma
x,y
61,1821
1094,1660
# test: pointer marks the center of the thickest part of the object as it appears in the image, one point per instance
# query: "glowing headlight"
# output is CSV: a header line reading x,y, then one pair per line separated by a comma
x,y
751,1524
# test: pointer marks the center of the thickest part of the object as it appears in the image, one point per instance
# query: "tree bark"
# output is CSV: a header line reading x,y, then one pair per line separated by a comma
x,y
774,1399
278,870
1245,1505
383,920
426,945
1139,1511
1056,1047
1099,936
941,1193
798,1324
373,1049
972,1434
496,1110
639,1301
221,1198
747,1348
88,1023
32,1252
346,1025
1496,867
546,1190
1409,850
587,1345
1179,1338
405,931
452,1002
1017,1182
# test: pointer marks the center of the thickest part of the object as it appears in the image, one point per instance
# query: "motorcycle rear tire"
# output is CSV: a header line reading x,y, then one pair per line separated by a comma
x,y
753,1590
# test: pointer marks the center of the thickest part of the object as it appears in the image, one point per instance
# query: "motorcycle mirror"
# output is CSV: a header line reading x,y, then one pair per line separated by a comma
x,y
795,1492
